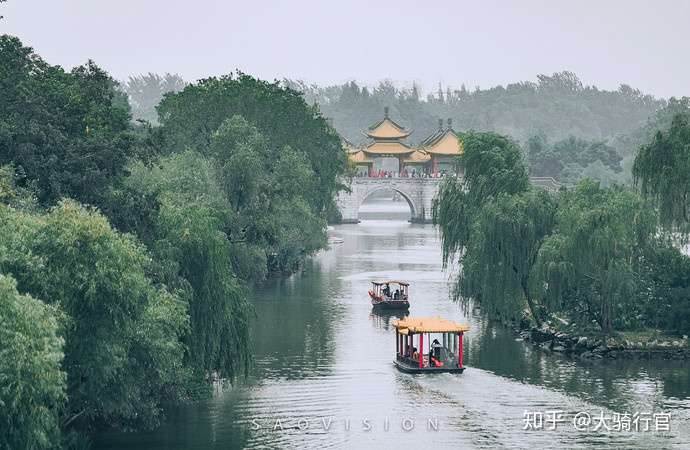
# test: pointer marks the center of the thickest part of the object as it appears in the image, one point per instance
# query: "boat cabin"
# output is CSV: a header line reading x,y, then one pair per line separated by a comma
x,y
390,289
429,344
390,294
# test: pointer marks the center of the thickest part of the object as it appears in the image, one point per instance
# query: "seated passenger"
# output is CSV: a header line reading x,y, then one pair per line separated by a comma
x,y
434,362
436,349
387,291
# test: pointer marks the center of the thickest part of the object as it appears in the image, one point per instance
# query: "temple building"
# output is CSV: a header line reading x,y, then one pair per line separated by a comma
x,y
387,153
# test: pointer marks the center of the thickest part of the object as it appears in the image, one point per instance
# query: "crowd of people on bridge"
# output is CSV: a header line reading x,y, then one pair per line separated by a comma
x,y
403,174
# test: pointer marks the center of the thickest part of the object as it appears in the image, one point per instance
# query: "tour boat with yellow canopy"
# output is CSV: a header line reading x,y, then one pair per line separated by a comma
x,y
390,294
415,352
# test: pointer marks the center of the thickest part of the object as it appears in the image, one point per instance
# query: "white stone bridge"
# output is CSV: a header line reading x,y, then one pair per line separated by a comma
x,y
418,192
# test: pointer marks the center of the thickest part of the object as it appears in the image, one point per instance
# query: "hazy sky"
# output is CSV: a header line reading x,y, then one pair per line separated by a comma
x,y
645,44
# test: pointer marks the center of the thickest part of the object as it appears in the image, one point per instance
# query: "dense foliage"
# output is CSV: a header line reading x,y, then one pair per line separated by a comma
x,y
591,255
662,168
187,231
492,167
33,384
190,118
570,159
128,250
122,347
590,265
498,266
67,134
557,105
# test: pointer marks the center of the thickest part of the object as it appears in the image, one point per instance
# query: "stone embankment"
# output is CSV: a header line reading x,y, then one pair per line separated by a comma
x,y
550,340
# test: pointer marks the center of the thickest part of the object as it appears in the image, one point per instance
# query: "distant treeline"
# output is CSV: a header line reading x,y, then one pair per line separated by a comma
x,y
566,130
558,106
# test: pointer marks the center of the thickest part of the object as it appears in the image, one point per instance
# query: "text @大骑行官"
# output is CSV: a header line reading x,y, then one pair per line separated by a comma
x,y
597,422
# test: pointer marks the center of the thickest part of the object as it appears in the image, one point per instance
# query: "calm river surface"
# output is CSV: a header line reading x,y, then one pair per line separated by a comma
x,y
323,358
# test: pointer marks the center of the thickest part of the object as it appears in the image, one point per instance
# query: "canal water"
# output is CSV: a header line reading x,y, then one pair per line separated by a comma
x,y
323,375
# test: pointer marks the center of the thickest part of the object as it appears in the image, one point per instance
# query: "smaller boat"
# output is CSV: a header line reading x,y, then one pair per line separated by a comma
x,y
437,356
390,294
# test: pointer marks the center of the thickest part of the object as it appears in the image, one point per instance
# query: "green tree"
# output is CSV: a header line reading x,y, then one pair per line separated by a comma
x,y
662,170
665,294
13,195
33,385
498,266
280,114
122,335
493,165
265,188
567,160
195,256
590,268
68,133
495,225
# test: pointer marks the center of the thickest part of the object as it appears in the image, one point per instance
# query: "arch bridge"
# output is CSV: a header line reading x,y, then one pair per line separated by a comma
x,y
418,192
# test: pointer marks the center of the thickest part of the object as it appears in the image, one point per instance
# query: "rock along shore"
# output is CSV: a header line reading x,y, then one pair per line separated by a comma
x,y
550,340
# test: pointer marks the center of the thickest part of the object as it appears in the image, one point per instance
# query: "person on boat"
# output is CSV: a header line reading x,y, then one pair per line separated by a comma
x,y
396,296
436,349
415,354
387,290
435,354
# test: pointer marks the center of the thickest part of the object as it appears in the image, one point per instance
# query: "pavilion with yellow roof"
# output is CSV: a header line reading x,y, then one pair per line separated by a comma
x,y
387,153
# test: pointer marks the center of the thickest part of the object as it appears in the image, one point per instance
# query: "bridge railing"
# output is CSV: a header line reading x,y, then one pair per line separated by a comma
x,y
544,182
402,175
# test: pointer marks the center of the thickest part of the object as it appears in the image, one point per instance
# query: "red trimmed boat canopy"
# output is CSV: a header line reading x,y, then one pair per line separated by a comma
x,y
382,282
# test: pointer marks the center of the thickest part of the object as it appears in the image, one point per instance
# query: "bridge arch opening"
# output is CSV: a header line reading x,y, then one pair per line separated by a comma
x,y
386,202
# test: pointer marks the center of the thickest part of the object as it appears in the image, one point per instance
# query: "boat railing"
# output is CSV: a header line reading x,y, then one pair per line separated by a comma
x,y
450,358
413,362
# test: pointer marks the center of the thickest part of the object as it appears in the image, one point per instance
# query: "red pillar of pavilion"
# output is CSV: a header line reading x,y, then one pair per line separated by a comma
x,y
460,349
421,350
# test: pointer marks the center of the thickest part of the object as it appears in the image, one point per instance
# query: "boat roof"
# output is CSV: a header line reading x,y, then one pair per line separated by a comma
x,y
409,325
380,282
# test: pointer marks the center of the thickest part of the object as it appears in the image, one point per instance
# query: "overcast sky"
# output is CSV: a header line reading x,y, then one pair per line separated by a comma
x,y
645,44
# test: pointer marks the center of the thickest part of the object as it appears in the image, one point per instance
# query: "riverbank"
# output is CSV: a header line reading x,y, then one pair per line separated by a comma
x,y
643,345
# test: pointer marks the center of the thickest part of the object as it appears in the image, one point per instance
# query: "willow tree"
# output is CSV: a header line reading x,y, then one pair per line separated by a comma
x,y
662,170
590,267
190,241
33,384
493,224
122,334
493,165
498,266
